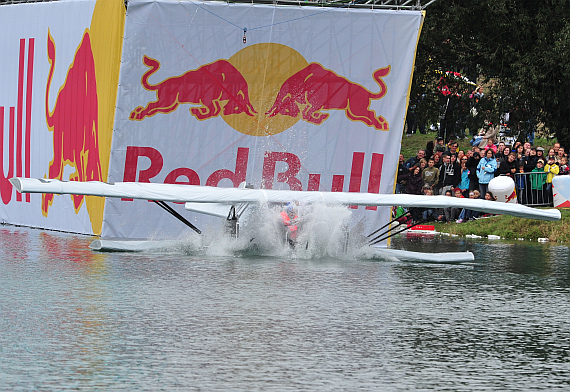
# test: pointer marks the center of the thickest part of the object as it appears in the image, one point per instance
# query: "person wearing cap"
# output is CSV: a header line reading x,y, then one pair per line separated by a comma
x,y
486,170
538,182
439,145
552,169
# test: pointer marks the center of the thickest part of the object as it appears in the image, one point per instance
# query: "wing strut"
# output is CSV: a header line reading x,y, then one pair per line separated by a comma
x,y
171,211
375,241
407,216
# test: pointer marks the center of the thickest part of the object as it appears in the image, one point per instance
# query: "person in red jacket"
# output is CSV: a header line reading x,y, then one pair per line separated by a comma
x,y
290,218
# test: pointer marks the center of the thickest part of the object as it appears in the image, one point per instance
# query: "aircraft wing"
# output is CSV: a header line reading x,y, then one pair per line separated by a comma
x,y
230,196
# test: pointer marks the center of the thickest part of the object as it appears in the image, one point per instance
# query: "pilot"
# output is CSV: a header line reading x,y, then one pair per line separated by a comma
x,y
289,217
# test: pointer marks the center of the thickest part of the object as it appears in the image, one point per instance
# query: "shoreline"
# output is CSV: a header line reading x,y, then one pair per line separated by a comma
x,y
510,228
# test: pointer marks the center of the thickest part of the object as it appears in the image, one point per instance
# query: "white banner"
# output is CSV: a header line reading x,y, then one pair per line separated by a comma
x,y
301,98
27,142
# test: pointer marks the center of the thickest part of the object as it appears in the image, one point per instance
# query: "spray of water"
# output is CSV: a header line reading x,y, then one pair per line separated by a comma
x,y
324,232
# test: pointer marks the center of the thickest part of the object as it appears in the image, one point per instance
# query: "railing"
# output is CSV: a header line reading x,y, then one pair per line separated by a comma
x,y
532,189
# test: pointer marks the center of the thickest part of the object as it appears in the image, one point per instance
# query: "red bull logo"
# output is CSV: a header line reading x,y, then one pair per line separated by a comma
x,y
263,90
74,121
512,196
315,88
217,87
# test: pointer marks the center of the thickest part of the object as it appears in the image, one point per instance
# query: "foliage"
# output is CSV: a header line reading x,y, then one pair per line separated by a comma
x,y
517,49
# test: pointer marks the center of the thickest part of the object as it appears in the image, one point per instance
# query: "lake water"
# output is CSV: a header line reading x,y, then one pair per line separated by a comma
x,y
76,319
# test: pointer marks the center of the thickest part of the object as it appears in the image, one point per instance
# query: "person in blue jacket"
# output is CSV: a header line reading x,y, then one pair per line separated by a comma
x,y
486,170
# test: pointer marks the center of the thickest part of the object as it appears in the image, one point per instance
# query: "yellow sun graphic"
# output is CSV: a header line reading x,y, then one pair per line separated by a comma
x,y
265,67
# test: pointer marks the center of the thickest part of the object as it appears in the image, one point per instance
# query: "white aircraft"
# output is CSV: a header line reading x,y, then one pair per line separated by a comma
x,y
230,203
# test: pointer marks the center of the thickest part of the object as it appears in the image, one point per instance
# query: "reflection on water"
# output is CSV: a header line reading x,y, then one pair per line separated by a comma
x,y
77,319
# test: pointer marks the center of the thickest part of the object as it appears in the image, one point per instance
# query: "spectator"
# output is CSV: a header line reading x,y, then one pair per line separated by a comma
x,y
538,183
430,175
551,169
449,174
489,196
414,161
500,148
428,213
464,182
531,160
539,153
556,147
452,213
453,147
521,158
506,151
520,183
560,154
429,149
489,135
414,181
472,164
402,171
551,154
423,164
486,170
440,146
466,214
564,169
460,154
490,145
437,159
507,167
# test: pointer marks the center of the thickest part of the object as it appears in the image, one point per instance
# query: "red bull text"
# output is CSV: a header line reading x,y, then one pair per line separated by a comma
x,y
19,139
187,176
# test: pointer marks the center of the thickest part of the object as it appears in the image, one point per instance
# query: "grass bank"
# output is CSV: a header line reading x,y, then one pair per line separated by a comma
x,y
512,228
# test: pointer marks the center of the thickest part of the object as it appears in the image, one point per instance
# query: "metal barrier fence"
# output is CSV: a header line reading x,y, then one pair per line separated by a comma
x,y
532,189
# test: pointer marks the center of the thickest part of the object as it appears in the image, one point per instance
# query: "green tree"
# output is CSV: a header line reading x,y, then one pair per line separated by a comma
x,y
517,48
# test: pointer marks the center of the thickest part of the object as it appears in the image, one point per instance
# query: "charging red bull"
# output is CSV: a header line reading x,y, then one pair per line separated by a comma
x,y
218,87
74,121
315,88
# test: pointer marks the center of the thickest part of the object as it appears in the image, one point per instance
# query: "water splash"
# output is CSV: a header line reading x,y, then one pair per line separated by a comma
x,y
324,232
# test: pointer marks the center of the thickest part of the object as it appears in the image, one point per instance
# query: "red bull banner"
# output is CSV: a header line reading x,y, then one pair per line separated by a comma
x,y
60,67
213,93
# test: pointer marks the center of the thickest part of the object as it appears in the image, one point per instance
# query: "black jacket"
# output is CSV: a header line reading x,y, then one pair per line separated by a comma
x,y
449,174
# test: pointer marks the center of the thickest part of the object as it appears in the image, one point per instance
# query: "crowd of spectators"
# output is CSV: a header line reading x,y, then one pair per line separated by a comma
x,y
443,169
